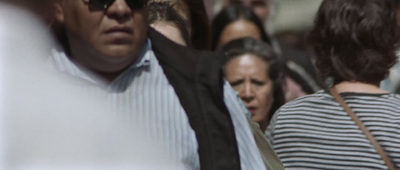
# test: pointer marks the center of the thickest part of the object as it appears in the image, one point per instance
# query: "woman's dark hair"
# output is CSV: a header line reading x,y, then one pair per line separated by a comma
x,y
200,25
163,11
355,40
264,51
232,14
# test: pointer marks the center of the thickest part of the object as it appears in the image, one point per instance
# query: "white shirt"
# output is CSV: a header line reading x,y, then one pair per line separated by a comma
x,y
144,94
46,119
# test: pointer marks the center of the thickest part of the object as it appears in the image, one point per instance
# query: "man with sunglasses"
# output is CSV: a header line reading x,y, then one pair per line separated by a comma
x,y
178,93
46,119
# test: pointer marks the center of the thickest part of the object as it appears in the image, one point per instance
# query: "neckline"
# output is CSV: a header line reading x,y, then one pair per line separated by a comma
x,y
358,87
346,94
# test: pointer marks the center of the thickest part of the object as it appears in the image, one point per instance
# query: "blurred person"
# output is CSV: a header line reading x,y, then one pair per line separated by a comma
x,y
200,29
355,42
164,19
254,71
53,124
195,15
237,22
18,20
161,12
266,12
260,7
46,122
392,82
176,92
264,9
300,66
44,9
180,6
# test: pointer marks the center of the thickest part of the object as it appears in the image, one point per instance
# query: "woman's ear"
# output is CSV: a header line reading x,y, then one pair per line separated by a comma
x,y
58,10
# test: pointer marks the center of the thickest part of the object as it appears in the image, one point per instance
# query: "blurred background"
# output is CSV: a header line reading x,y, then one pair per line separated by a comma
x,y
290,20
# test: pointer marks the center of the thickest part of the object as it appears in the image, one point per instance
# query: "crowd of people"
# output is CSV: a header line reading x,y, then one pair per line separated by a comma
x,y
157,84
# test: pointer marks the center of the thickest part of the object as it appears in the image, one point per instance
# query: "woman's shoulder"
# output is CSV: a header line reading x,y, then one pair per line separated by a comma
x,y
319,98
323,97
323,102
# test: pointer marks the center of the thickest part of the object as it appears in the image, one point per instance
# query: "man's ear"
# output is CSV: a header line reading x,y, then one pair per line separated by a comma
x,y
59,12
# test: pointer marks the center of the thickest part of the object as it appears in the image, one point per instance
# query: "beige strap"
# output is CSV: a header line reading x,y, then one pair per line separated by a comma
x,y
363,128
271,160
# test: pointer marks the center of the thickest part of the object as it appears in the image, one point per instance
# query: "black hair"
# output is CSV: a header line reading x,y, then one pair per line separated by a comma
x,y
264,51
231,14
163,11
200,25
355,40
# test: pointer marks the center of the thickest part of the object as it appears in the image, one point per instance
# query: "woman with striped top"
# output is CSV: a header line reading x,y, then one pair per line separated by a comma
x,y
355,43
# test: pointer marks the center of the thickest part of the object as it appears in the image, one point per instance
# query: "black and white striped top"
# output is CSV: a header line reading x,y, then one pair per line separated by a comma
x,y
314,131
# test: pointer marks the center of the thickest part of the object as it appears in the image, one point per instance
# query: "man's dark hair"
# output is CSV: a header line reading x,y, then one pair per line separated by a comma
x,y
231,14
163,11
264,51
355,40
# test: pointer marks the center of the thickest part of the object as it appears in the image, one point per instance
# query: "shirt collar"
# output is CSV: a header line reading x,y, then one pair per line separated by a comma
x,y
64,64
144,59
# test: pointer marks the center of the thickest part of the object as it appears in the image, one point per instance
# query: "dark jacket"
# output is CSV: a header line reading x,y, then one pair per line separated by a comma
x,y
198,81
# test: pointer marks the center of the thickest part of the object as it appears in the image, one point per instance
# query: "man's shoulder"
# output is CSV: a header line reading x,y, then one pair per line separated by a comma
x,y
161,44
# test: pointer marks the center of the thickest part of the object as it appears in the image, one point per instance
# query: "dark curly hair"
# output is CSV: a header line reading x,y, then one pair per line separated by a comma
x,y
355,40
264,51
163,11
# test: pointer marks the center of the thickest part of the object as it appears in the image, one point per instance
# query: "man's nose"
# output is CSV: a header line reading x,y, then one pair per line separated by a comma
x,y
119,9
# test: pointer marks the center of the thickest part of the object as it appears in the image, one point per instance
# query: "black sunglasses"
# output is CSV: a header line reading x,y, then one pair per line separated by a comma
x,y
104,4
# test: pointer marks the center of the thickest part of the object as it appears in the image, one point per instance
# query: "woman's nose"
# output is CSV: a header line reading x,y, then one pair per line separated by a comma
x,y
247,92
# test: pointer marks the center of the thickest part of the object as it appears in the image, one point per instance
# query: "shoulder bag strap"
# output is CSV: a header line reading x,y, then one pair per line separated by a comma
x,y
364,129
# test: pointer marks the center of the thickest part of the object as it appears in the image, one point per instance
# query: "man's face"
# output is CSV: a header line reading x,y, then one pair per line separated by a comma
x,y
104,40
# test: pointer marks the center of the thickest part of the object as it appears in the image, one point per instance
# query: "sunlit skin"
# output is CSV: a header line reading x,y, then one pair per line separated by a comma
x,y
106,41
239,29
169,30
181,7
248,75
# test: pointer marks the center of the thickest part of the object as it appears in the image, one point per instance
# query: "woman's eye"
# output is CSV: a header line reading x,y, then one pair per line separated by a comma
x,y
236,83
258,83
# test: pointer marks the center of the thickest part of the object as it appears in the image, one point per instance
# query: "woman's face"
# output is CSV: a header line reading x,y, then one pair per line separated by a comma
x,y
260,7
239,29
248,75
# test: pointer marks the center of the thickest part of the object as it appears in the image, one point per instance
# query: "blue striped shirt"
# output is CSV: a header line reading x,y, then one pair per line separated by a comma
x,y
143,94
